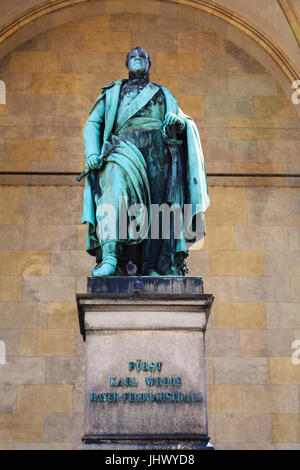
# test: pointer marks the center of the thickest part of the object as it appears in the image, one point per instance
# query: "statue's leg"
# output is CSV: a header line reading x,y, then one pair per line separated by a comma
x,y
109,262
150,256
151,253
107,216
158,164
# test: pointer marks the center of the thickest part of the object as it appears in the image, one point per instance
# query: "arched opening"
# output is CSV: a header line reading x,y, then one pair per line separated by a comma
x,y
49,15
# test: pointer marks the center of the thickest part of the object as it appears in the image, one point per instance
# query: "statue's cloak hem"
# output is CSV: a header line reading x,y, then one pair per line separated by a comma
x,y
196,193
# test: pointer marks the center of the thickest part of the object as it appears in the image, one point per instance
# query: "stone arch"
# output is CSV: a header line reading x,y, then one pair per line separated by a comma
x,y
52,13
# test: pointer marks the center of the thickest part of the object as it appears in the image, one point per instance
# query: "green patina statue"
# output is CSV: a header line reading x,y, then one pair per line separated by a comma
x,y
144,162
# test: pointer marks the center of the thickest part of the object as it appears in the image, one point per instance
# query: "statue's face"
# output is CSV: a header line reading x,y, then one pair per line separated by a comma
x,y
138,61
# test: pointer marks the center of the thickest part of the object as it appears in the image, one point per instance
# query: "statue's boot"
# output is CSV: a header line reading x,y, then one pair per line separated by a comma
x,y
150,257
109,262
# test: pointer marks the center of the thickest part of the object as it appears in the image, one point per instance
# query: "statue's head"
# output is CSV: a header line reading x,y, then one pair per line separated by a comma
x,y
138,61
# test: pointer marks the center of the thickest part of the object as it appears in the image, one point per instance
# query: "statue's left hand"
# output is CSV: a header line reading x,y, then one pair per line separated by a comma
x,y
173,120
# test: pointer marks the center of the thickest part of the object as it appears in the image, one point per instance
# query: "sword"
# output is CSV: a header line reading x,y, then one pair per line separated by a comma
x,y
175,187
175,192
104,155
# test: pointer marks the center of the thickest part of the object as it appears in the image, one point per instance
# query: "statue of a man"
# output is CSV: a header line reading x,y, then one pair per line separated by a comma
x,y
143,151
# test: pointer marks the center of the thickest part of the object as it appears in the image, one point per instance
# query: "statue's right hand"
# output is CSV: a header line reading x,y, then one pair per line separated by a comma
x,y
92,162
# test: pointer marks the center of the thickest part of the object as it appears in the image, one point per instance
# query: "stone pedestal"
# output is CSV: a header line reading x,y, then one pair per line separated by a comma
x,y
145,362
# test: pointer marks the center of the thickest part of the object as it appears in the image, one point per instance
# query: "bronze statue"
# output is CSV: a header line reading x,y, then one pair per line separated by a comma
x,y
143,156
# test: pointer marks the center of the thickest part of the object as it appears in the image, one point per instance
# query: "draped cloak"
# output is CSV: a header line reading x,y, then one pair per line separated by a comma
x,y
98,133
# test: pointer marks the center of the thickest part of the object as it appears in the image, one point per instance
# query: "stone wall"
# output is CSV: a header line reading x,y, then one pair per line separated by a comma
x,y
250,259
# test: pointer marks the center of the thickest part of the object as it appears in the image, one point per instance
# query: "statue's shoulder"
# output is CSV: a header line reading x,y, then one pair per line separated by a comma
x,y
107,88
156,84
112,84
165,90
167,93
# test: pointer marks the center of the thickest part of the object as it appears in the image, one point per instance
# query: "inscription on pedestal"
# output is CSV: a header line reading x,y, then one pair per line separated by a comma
x,y
149,381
